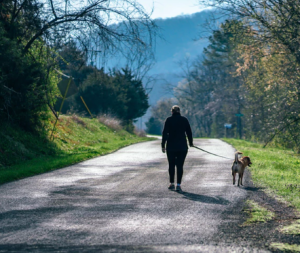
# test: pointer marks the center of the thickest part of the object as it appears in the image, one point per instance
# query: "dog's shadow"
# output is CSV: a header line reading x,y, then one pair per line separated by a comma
x,y
205,199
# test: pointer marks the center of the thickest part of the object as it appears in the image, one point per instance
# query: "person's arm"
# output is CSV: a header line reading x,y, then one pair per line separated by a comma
x,y
165,134
189,134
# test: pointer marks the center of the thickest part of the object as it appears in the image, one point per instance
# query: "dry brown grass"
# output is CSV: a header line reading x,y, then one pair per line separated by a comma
x,y
110,122
139,132
78,120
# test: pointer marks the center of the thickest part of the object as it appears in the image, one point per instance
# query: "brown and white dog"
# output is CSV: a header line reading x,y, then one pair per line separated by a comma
x,y
239,166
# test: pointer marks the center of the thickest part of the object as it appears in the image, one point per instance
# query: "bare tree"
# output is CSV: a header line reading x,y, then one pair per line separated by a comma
x,y
275,21
106,22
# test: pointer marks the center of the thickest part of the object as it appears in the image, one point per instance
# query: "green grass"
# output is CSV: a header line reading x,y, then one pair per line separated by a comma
x,y
285,247
275,169
24,154
257,213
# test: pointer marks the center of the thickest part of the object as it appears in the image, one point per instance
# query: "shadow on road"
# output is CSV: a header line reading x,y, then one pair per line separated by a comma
x,y
252,189
16,248
204,198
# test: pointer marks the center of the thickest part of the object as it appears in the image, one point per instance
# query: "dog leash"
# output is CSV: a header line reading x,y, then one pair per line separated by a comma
x,y
211,153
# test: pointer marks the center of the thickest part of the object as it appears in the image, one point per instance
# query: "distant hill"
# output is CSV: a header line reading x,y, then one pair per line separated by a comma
x,y
181,38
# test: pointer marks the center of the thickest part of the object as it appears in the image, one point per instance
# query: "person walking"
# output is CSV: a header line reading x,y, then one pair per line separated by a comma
x,y
175,130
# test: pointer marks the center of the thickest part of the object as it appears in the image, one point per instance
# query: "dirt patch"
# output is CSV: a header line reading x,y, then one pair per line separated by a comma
x,y
258,235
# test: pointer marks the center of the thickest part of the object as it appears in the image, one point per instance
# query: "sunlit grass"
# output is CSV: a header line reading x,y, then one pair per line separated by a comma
x,y
257,213
273,168
285,247
292,229
75,139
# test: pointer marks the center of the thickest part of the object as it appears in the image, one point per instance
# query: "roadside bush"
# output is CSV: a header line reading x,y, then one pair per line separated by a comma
x,y
154,126
128,126
117,93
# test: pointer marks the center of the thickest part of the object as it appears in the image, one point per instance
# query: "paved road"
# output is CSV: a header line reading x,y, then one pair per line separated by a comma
x,y
120,203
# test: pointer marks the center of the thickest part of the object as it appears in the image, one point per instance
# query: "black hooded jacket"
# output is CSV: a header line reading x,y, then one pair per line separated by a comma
x,y
175,130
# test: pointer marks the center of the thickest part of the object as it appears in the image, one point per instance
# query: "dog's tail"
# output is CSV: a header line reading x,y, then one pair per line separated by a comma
x,y
237,156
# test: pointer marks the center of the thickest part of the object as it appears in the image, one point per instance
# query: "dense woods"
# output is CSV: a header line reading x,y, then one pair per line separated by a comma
x,y
248,76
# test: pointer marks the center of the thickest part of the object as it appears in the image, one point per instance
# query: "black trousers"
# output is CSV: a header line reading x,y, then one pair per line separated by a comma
x,y
176,158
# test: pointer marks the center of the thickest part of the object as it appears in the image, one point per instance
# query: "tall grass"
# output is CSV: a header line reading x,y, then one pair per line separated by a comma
x,y
110,121
139,132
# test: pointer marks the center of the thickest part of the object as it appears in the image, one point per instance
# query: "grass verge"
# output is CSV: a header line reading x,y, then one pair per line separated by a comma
x,y
276,170
257,213
273,168
76,139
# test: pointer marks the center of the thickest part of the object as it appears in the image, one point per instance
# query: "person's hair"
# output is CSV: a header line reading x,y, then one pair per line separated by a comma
x,y
175,109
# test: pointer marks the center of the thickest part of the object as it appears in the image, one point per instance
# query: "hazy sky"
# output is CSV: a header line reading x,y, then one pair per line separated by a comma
x,y
170,8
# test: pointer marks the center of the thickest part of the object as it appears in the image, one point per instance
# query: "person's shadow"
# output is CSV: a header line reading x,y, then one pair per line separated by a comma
x,y
204,199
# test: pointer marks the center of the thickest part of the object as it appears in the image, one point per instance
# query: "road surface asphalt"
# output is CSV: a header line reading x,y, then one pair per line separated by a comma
x,y
120,203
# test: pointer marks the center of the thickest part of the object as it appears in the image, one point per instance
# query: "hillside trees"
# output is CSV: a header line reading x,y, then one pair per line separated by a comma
x,y
272,82
240,74
32,32
275,21
220,57
193,94
272,62
209,94
119,94
276,32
